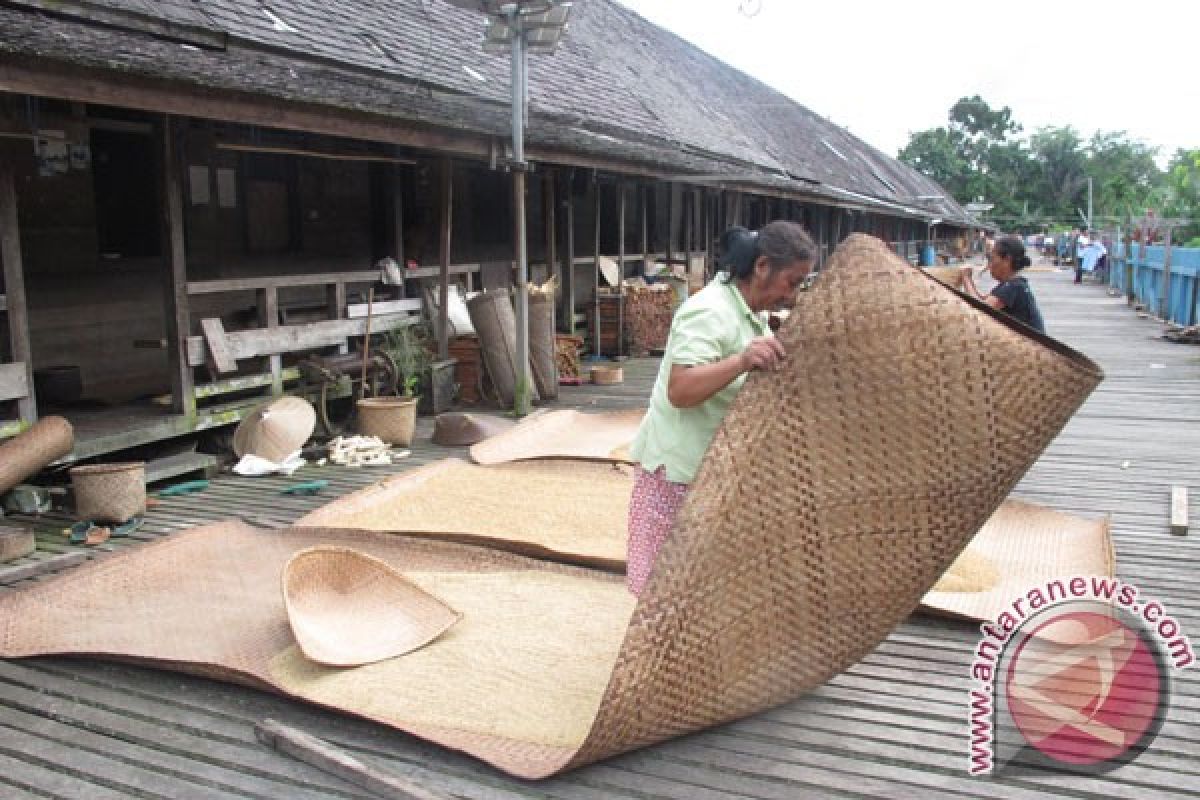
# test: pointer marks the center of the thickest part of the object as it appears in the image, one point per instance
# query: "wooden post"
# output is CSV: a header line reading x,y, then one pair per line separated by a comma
x,y
569,260
14,288
644,205
1141,259
620,269
670,250
268,317
398,218
548,210
596,195
443,320
178,316
1164,303
688,204
1179,510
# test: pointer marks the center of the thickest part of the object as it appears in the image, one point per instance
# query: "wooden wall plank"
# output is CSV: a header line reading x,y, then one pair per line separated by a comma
x,y
14,381
14,288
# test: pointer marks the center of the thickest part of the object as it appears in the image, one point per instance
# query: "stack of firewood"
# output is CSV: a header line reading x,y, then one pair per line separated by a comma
x,y
566,355
648,314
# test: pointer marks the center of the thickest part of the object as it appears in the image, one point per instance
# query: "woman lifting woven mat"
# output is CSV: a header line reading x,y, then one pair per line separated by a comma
x,y
834,493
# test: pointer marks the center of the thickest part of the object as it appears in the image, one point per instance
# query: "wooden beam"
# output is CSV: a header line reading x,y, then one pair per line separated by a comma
x,y
443,318
597,198
548,222
14,287
280,281
397,219
51,564
1179,510
268,317
620,269
568,267
176,309
293,338
14,381
324,756
214,337
22,75
357,310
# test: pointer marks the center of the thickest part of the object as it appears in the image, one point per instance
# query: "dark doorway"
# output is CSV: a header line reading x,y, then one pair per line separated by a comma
x,y
123,166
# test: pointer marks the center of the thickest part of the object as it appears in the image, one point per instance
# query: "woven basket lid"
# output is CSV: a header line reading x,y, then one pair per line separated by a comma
x,y
459,429
347,608
275,430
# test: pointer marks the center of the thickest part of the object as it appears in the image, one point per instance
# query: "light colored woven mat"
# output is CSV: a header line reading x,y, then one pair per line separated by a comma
x,y
572,510
562,434
528,661
1022,546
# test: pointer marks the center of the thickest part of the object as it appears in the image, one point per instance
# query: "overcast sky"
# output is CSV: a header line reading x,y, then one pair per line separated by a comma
x,y
886,69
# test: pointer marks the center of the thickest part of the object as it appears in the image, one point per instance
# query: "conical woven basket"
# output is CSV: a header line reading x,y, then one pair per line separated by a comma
x,y
347,608
392,419
109,492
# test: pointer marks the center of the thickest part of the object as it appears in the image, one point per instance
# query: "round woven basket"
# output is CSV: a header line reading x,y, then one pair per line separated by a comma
x,y
607,375
392,419
109,492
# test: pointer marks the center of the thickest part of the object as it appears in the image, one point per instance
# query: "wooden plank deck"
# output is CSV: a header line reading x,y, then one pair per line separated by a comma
x,y
892,726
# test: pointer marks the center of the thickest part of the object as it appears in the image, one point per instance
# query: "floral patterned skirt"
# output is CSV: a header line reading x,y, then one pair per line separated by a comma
x,y
652,508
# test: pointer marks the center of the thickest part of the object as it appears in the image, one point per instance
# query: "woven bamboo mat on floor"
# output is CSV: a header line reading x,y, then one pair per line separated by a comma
x,y
1022,546
563,434
571,511
834,495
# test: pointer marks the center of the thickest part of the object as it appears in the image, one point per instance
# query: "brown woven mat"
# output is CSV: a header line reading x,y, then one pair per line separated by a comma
x,y
537,639
572,511
833,496
1022,546
562,434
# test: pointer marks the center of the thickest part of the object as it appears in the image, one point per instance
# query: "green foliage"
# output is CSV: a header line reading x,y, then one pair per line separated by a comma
x,y
408,347
1040,182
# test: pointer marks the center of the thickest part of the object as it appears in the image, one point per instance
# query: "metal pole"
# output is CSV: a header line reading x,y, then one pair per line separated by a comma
x,y
522,391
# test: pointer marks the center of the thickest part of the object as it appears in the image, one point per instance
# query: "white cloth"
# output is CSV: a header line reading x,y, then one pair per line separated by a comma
x,y
253,466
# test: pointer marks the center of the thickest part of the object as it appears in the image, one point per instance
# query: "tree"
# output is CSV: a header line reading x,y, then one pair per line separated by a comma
x,y
1182,190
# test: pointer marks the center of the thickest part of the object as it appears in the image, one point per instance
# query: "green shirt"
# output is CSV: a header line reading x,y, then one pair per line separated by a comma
x,y
712,324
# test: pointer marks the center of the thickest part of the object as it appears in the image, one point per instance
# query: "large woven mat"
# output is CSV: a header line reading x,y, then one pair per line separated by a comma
x,y
1022,546
603,436
571,511
833,496
517,681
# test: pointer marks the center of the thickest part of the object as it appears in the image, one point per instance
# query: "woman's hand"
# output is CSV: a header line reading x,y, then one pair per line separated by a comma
x,y
765,353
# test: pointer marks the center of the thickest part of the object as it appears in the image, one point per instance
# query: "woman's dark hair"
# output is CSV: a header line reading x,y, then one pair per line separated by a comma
x,y
1013,248
783,243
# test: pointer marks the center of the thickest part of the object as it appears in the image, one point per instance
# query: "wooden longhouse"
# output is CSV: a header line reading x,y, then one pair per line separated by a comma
x,y
167,163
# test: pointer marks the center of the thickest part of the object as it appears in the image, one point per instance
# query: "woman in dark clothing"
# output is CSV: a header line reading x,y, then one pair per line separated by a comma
x,y
1011,294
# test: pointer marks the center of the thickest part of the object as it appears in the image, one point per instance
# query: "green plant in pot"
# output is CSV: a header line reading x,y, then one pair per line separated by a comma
x,y
393,419
408,347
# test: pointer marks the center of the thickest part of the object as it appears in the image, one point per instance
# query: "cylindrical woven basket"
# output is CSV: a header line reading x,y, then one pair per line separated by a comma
x,y
607,375
496,324
542,345
49,439
109,492
392,419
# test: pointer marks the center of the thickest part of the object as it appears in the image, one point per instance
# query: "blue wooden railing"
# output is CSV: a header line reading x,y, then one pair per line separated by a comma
x,y
1142,276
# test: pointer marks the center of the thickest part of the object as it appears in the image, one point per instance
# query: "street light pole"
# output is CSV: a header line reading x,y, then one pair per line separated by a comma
x,y
522,391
